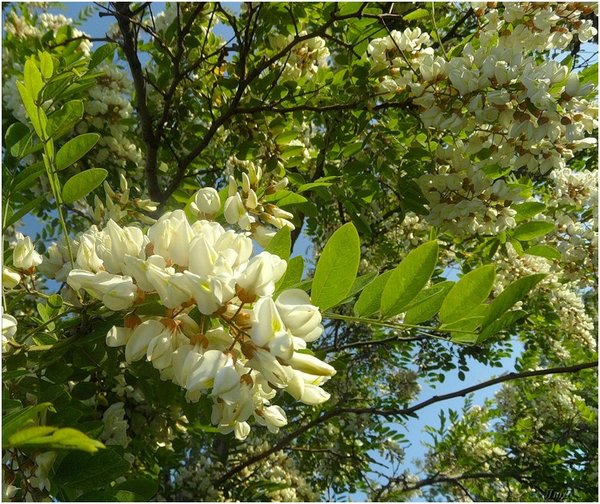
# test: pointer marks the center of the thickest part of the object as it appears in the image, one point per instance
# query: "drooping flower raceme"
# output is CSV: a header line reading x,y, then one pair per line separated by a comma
x,y
219,326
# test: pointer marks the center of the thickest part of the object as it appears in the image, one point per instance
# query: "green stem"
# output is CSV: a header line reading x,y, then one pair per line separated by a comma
x,y
400,326
55,186
437,33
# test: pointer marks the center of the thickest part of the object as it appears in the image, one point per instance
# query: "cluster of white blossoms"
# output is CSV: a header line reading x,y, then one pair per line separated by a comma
x,y
304,59
575,188
468,438
519,112
248,208
575,323
221,329
192,480
464,201
25,260
33,473
109,108
115,426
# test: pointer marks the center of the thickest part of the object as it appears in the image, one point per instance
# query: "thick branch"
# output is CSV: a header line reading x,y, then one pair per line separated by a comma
x,y
397,411
129,48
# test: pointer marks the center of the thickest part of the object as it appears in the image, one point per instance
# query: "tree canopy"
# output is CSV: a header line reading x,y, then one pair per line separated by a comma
x,y
240,239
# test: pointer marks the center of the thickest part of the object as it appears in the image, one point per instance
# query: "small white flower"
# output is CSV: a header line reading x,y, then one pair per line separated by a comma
x,y
207,201
24,254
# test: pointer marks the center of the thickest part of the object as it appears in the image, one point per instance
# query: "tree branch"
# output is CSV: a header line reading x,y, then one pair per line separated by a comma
x,y
397,411
130,49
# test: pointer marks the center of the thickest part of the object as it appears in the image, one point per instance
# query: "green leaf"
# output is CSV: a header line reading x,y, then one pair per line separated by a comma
x,y
46,65
416,14
26,177
505,321
531,230
32,78
359,284
15,133
544,251
21,419
408,279
369,300
80,185
85,471
36,115
528,210
337,268
281,244
53,437
103,52
144,486
589,75
467,294
24,210
322,182
293,273
64,120
511,295
427,303
75,149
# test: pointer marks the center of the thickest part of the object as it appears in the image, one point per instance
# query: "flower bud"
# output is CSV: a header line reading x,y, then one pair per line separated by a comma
x,y
207,201
310,364
271,416
9,326
118,336
24,254
301,317
234,210
10,278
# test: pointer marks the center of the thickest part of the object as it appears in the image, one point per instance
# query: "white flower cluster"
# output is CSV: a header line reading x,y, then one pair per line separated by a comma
x,y
464,201
575,188
23,28
222,333
33,475
518,111
118,205
304,59
115,426
396,54
192,481
109,107
565,298
247,209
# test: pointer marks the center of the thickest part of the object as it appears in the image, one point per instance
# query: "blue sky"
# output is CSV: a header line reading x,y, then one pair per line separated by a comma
x,y
96,27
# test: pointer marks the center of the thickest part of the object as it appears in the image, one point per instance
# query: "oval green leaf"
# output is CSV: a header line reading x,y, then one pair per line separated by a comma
x,y
427,303
531,230
408,279
75,149
337,268
544,251
80,185
370,298
512,294
281,244
467,294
